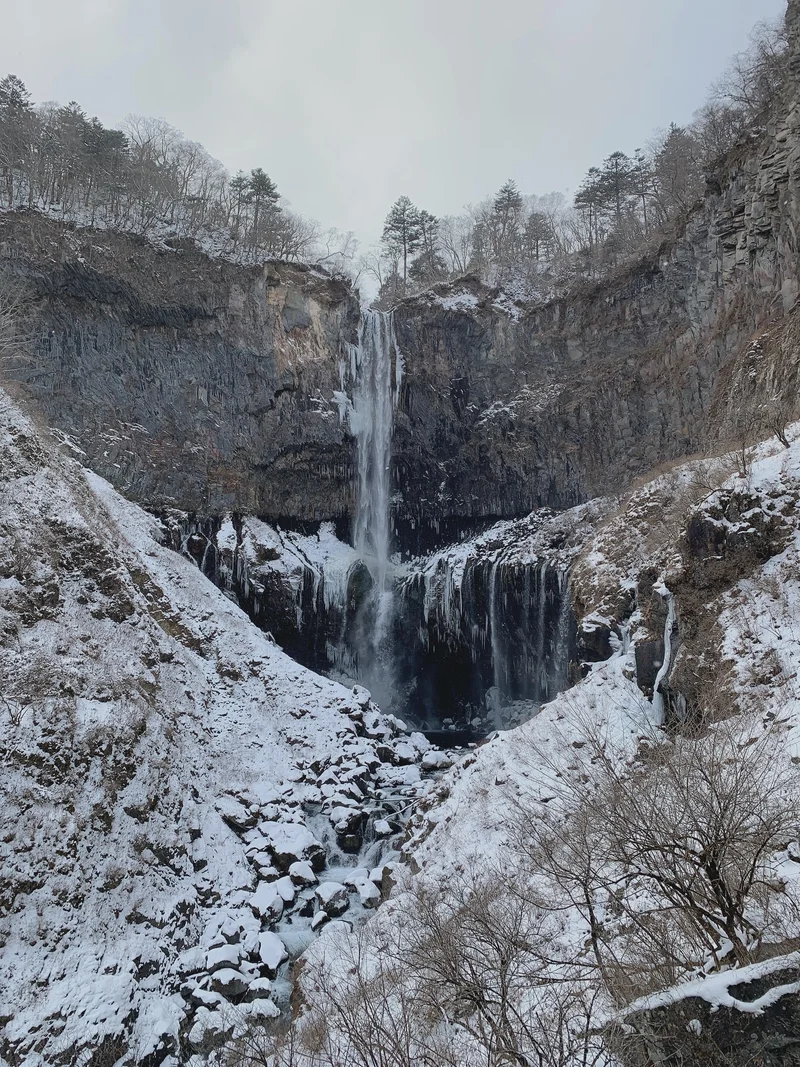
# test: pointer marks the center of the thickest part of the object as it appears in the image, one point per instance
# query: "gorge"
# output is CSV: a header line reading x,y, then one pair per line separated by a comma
x,y
371,678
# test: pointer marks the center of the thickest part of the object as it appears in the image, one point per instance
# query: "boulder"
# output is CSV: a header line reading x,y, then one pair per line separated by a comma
x,y
272,952
302,873
235,814
290,842
286,889
267,902
405,752
436,760
259,988
224,956
332,897
369,894
229,982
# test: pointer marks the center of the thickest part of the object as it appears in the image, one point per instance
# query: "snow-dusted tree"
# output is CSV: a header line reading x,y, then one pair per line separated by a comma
x,y
264,196
403,233
754,78
683,844
456,237
590,201
15,128
538,238
677,171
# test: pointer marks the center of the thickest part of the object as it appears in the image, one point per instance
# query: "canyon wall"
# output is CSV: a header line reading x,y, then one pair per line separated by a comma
x,y
187,381
193,382
506,408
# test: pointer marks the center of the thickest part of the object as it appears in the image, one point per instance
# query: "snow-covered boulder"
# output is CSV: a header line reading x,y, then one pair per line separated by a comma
x,y
302,873
259,988
436,760
235,814
286,888
224,956
272,952
231,983
332,897
291,842
368,893
267,902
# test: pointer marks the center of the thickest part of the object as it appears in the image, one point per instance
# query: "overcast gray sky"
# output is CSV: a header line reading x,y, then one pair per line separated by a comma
x,y
349,103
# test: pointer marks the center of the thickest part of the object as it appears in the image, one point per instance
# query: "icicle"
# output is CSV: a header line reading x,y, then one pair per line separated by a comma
x,y
497,646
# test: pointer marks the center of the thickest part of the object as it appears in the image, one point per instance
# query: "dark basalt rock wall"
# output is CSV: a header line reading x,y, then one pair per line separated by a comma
x,y
187,381
505,632
578,397
196,383
693,1031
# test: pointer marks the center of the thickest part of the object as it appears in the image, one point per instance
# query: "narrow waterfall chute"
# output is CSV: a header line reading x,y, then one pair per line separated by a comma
x,y
496,692
663,670
372,420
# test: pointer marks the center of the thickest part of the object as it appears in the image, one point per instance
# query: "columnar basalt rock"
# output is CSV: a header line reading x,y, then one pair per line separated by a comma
x,y
185,380
505,408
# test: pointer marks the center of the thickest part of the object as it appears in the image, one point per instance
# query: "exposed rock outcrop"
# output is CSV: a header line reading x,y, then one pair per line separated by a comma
x,y
753,1019
506,409
187,380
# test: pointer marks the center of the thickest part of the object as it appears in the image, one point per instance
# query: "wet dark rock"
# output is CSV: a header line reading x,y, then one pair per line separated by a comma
x,y
649,658
349,843
594,642
693,1031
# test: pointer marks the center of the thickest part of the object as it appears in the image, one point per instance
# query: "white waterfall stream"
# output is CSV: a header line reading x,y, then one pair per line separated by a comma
x,y
372,419
663,671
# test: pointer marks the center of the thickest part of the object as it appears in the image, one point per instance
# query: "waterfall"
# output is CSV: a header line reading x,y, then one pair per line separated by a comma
x,y
560,671
372,418
496,693
663,671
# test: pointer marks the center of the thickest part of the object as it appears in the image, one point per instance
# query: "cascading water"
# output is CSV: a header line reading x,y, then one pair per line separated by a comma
x,y
468,636
495,694
372,418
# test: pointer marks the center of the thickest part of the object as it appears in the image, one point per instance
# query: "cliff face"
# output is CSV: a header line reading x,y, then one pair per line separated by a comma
x,y
186,380
505,410
193,382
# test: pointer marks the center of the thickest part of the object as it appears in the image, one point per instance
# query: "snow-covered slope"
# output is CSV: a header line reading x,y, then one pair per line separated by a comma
x,y
172,785
569,866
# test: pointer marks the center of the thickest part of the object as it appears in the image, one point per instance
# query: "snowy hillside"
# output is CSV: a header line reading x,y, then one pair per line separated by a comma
x,y
623,842
174,785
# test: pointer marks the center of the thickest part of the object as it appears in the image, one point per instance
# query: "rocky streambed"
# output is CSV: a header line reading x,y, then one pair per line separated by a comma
x,y
322,849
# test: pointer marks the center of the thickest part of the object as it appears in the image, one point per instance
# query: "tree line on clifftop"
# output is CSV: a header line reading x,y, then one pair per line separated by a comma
x,y
148,178
534,246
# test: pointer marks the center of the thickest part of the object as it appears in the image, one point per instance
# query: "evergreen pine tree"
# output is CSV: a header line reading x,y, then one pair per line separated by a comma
x,y
264,195
403,232
15,112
